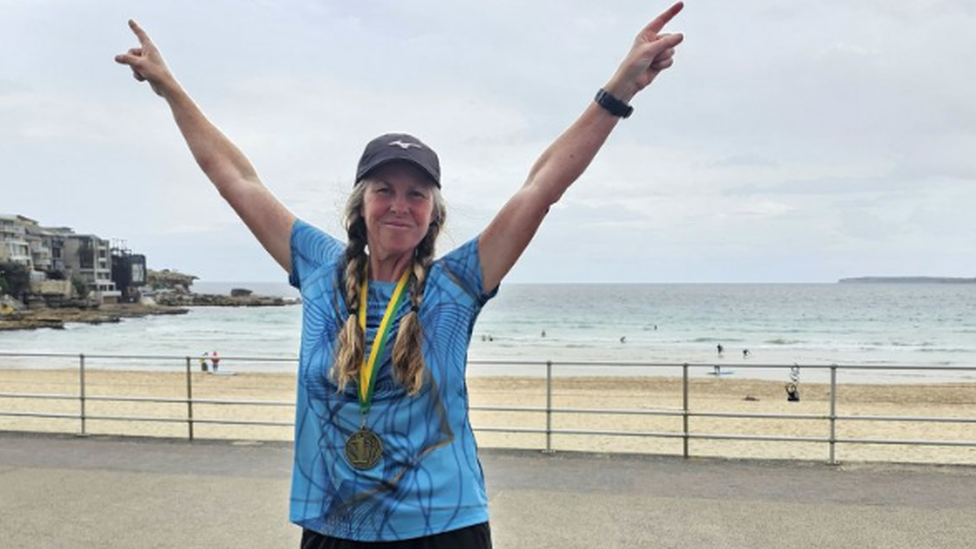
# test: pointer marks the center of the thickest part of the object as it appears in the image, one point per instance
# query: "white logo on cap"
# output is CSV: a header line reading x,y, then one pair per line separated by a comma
x,y
404,145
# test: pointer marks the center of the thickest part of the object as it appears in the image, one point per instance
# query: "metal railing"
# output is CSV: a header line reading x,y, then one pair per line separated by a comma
x,y
685,412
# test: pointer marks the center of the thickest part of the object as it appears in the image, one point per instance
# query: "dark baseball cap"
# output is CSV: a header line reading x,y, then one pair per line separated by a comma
x,y
399,147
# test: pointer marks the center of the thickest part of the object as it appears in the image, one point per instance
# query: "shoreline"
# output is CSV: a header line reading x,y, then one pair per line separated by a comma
x,y
652,405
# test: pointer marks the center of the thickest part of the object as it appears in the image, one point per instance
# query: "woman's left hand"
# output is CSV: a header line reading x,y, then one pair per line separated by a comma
x,y
652,52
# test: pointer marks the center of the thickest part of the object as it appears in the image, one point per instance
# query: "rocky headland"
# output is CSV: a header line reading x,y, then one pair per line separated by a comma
x,y
215,300
174,289
32,319
167,293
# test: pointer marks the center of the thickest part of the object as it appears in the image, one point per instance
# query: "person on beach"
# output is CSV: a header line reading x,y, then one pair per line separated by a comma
x,y
214,361
203,361
384,450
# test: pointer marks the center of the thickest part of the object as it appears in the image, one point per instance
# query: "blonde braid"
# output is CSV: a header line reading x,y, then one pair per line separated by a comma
x,y
351,346
408,355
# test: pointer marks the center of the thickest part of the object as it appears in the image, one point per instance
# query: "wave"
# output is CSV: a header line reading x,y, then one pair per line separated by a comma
x,y
945,350
716,340
781,341
873,345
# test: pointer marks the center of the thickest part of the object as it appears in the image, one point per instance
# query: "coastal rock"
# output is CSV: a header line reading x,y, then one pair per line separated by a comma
x,y
172,289
9,305
27,321
57,318
170,280
213,300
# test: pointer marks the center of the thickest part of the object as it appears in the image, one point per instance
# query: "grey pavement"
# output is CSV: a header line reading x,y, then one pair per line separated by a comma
x,y
61,491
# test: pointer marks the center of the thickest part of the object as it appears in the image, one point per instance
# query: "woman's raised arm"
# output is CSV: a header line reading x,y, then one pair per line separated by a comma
x,y
225,165
508,234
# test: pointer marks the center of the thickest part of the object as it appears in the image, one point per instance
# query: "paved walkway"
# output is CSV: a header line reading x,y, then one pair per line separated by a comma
x,y
74,493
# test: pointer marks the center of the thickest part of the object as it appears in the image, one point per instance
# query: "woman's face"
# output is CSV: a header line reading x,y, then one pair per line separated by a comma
x,y
398,208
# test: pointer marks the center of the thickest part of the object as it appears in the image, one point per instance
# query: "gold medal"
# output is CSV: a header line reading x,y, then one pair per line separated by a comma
x,y
363,449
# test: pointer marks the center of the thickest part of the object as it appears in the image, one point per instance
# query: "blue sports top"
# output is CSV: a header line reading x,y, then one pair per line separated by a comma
x,y
429,479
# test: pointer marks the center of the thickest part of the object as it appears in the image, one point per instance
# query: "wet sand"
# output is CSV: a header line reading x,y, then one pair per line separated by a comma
x,y
655,397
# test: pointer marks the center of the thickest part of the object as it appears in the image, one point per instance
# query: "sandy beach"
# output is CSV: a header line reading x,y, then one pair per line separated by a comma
x,y
634,394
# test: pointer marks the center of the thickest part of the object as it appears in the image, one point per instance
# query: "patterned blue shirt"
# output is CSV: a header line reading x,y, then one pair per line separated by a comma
x,y
429,479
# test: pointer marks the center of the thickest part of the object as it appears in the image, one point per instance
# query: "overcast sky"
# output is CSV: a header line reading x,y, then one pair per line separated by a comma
x,y
790,142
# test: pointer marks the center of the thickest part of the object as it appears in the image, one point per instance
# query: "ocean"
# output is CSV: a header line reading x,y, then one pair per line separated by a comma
x,y
881,324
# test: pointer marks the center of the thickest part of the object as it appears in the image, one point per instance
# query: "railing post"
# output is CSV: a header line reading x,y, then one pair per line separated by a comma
x,y
833,414
549,449
189,398
684,406
81,388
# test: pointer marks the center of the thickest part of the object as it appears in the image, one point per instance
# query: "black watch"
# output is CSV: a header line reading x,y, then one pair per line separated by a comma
x,y
613,105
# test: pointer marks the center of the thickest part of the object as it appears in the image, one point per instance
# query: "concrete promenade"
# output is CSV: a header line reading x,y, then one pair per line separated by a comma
x,y
73,493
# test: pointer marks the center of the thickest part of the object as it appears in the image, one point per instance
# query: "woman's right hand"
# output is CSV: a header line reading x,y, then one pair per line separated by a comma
x,y
147,63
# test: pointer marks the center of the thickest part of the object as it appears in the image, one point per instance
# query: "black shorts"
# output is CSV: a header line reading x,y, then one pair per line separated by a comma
x,y
472,537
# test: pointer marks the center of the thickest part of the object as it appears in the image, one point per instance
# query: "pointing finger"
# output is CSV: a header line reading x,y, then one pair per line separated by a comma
x,y
658,23
140,33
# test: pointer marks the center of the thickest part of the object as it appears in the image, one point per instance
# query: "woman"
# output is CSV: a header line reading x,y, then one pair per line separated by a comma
x,y
384,451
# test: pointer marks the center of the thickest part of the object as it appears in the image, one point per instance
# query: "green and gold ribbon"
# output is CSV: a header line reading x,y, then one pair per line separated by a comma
x,y
367,373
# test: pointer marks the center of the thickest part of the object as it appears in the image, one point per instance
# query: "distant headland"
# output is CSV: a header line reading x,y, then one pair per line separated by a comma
x,y
908,280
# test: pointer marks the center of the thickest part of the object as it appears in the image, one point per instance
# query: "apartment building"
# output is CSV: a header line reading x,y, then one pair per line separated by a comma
x,y
24,241
14,247
89,258
50,249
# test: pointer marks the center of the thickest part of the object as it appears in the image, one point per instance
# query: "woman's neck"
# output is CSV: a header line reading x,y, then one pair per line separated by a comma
x,y
389,268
